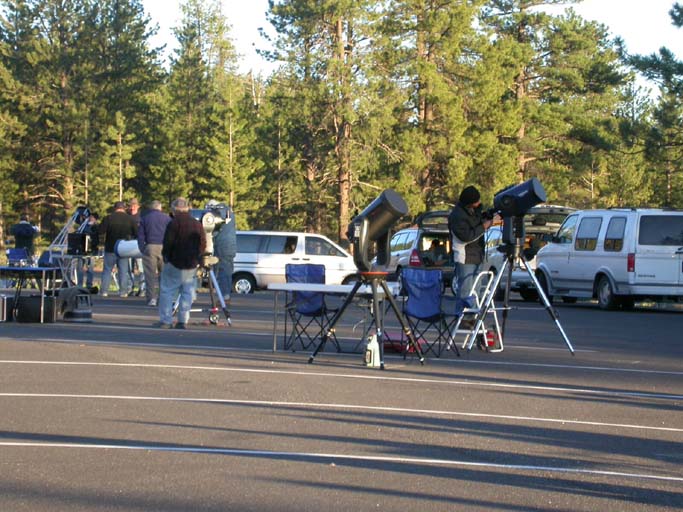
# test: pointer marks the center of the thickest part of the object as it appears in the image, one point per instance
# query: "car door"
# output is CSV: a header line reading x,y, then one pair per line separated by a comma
x,y
396,245
659,253
321,251
554,257
584,260
277,251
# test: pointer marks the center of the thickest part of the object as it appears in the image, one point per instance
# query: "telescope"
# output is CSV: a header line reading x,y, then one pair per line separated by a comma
x,y
516,200
369,230
513,202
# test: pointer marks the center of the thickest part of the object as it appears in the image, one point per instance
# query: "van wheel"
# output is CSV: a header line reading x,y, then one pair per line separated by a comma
x,y
544,285
350,279
243,283
454,285
606,297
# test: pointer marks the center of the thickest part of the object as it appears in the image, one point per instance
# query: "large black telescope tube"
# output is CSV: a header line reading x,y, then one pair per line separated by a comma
x,y
373,225
516,200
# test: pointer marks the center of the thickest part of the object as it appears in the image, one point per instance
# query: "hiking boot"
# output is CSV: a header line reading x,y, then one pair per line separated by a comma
x,y
180,325
162,325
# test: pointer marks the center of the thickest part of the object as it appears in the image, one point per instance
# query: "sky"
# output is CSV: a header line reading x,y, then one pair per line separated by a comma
x,y
644,25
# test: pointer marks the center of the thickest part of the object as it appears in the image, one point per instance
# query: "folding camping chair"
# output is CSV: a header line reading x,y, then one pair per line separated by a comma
x,y
19,257
422,308
467,311
307,311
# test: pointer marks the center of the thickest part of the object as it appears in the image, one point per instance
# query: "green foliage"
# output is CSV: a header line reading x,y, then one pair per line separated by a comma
x,y
419,96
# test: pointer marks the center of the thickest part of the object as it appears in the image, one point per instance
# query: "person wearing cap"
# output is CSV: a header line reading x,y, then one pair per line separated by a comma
x,y
467,227
183,247
116,226
150,241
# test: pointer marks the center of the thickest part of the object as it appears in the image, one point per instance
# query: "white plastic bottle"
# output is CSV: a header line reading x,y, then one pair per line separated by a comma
x,y
372,352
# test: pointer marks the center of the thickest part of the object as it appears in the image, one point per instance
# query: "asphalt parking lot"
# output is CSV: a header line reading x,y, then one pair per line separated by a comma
x,y
116,415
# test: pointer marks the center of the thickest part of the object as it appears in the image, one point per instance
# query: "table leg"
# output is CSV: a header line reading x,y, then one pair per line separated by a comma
x,y
275,312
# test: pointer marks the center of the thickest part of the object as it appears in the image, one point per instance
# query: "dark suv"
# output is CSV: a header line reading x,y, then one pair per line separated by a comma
x,y
426,244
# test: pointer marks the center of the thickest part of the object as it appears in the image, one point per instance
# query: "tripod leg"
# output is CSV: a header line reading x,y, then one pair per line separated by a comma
x,y
549,307
404,324
331,326
215,289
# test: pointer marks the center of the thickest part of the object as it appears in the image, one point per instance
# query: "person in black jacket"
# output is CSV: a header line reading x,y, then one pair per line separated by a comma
x,y
183,247
116,226
467,228
24,234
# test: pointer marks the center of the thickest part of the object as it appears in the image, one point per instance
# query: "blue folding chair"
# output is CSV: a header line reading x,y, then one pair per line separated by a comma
x,y
307,310
422,308
19,257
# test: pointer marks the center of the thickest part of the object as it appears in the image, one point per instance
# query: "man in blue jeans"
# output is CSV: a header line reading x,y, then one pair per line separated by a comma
x,y
467,228
183,246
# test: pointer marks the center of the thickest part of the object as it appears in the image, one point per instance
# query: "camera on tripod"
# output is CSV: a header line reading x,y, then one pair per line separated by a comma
x,y
211,217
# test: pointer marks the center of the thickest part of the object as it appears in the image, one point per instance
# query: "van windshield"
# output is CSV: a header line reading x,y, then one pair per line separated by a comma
x,y
661,230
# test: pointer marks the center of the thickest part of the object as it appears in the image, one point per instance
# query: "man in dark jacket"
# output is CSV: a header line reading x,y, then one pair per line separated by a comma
x,y
467,228
24,233
116,226
183,246
150,241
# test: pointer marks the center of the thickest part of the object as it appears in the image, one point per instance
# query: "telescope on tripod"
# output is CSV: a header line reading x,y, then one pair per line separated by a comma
x,y
370,232
512,204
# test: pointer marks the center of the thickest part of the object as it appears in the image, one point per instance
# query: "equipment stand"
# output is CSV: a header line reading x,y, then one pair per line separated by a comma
x,y
216,297
375,280
513,255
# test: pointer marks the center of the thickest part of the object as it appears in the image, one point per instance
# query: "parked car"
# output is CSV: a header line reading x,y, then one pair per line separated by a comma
x,y
615,255
540,225
426,244
262,255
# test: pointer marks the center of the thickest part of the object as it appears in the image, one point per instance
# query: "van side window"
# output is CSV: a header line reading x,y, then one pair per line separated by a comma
x,y
319,247
587,235
249,243
565,234
281,245
614,237
661,230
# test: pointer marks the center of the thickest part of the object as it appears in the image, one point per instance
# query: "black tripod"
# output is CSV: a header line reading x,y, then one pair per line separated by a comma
x,y
513,234
376,280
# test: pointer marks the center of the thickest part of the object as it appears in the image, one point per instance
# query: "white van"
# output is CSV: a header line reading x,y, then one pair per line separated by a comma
x,y
616,256
262,255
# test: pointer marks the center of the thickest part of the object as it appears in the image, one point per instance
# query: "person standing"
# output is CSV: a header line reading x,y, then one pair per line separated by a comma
x,y
136,264
225,248
183,246
86,263
116,226
24,234
467,228
150,242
